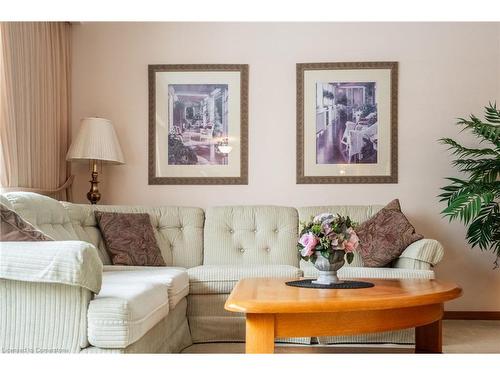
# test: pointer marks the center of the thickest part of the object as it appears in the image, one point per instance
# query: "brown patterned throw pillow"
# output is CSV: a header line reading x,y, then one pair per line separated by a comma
x,y
15,228
129,239
383,237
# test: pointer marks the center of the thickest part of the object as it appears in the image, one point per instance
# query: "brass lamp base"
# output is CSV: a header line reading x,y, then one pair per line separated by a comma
x,y
93,195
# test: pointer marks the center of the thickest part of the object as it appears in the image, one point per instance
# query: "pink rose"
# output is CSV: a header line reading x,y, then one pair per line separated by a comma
x,y
309,241
352,243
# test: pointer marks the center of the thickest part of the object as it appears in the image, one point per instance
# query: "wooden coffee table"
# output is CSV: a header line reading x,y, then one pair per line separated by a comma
x,y
274,309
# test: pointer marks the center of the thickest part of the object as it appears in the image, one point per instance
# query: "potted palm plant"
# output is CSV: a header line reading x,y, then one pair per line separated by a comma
x,y
474,199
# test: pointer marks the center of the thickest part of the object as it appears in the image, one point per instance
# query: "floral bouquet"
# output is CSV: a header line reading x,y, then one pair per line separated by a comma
x,y
328,236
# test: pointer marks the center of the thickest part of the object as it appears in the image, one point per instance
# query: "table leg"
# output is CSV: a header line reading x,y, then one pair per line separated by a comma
x,y
259,333
428,338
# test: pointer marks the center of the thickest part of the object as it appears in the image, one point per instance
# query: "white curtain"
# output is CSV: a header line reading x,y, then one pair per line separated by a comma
x,y
35,106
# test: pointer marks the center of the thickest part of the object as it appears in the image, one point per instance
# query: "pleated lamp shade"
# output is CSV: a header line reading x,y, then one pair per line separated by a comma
x,y
96,140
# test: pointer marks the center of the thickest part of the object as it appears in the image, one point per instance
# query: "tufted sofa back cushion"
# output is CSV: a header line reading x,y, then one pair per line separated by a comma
x,y
251,235
178,230
84,223
46,214
356,213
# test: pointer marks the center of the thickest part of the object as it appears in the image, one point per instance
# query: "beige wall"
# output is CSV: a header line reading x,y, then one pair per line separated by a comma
x,y
446,71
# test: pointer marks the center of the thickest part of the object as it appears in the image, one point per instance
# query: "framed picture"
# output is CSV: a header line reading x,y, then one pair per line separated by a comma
x,y
347,123
198,124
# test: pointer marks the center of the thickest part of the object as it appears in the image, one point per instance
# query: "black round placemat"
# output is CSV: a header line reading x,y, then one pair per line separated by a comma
x,y
344,284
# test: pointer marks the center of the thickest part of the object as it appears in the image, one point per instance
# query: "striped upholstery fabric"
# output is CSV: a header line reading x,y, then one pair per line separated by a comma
x,y
356,213
250,235
170,335
178,230
210,286
124,311
42,317
251,241
422,254
403,336
84,224
44,213
222,279
373,272
210,322
409,263
175,278
65,262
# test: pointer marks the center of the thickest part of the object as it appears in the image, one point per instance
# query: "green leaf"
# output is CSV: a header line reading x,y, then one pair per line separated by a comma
x,y
349,257
325,253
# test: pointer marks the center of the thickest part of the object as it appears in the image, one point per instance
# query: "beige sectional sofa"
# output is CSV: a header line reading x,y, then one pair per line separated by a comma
x,y
66,296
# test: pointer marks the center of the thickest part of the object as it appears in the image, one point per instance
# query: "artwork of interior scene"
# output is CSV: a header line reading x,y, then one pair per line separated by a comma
x,y
346,123
198,123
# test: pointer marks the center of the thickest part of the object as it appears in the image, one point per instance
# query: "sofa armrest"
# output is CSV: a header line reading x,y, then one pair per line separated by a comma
x,y
64,262
422,254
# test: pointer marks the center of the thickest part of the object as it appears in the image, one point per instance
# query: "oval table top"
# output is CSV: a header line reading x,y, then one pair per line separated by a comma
x,y
272,295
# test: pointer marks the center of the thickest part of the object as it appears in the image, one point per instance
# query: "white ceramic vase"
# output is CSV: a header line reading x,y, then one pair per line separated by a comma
x,y
328,267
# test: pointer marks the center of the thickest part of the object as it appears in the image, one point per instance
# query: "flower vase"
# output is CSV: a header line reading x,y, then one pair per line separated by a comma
x,y
328,267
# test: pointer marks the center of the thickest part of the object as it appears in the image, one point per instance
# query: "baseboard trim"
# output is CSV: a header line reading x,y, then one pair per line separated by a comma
x,y
472,315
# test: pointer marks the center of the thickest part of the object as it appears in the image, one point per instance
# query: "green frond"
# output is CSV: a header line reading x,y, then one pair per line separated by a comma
x,y
492,113
485,228
467,206
487,131
462,151
471,164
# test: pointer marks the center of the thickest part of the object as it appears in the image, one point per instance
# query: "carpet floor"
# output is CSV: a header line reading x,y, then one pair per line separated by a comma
x,y
459,336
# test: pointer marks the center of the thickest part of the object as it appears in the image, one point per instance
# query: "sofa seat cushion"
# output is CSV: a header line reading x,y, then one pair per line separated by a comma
x,y
176,278
221,279
372,272
132,301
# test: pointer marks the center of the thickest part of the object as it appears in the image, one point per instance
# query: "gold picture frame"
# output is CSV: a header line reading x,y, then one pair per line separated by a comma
x,y
188,129
328,94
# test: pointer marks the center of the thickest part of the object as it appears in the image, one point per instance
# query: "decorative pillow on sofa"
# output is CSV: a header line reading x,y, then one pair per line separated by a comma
x,y
129,239
15,228
383,237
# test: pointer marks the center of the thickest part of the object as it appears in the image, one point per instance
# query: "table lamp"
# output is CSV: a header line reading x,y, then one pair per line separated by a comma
x,y
96,142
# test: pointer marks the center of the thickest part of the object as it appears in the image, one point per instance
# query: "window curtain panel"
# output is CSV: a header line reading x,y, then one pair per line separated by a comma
x,y
35,106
